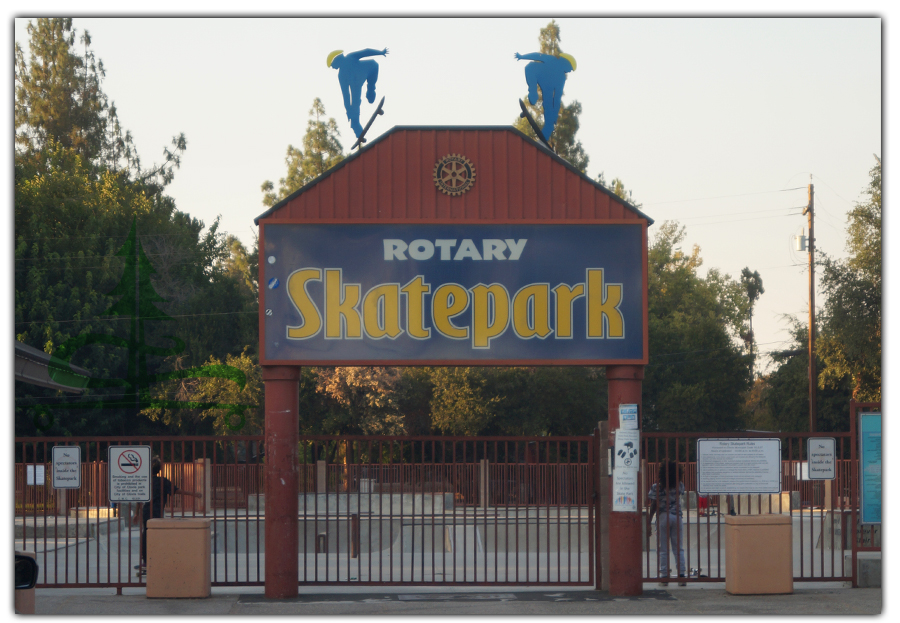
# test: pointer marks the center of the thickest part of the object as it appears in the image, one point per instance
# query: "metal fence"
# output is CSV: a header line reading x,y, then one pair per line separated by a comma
x,y
80,540
373,510
419,510
822,513
447,510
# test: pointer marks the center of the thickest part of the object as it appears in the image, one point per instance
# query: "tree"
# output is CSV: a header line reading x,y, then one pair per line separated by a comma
x,y
73,213
753,286
238,265
321,151
460,405
564,141
58,93
217,421
363,399
514,400
779,401
565,400
617,186
850,339
697,375
59,99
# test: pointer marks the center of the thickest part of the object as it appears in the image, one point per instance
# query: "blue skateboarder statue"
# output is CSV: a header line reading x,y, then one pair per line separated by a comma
x,y
549,73
352,74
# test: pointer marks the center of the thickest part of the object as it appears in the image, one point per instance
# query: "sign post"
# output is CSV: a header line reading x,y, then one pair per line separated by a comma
x,y
129,473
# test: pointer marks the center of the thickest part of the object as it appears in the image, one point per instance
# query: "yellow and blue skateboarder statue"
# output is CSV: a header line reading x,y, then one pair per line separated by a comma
x,y
549,73
353,73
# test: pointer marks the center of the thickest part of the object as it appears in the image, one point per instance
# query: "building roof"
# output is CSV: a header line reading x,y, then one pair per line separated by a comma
x,y
391,179
32,367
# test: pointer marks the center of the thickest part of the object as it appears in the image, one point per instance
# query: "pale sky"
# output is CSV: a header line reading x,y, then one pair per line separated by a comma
x,y
709,121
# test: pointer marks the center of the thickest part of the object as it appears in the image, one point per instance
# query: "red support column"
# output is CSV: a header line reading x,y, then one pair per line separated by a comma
x,y
282,386
625,569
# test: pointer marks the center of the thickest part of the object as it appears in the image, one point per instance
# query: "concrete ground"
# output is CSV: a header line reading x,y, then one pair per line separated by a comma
x,y
706,599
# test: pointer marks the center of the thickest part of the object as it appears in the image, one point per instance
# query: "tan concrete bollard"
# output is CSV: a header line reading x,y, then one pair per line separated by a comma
x,y
758,555
178,558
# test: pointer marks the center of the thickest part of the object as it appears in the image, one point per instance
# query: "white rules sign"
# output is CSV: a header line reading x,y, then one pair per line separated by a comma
x,y
738,466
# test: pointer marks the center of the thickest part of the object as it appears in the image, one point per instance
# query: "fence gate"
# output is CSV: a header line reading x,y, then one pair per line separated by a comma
x,y
372,510
81,540
447,510
823,512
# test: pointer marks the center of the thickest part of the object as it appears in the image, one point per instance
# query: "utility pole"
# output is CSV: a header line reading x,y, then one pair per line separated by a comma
x,y
812,314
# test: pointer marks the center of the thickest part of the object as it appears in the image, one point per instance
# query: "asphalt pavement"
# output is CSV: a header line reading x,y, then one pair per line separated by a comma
x,y
697,599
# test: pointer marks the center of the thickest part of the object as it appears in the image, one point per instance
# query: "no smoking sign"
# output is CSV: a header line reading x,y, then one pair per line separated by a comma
x,y
130,462
129,473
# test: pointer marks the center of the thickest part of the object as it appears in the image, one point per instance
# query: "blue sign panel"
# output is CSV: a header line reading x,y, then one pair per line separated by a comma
x,y
870,467
453,293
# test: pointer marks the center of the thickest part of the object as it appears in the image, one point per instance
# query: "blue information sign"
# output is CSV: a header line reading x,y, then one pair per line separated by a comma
x,y
870,467
407,294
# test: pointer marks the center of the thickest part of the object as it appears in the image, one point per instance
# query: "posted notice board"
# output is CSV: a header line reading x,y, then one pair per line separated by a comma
x,y
870,467
739,465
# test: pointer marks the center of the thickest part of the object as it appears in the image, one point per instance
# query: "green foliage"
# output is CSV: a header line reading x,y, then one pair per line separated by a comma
x,y
697,375
752,284
59,99
461,405
238,266
617,187
849,342
321,151
780,401
216,390
363,399
74,208
547,401
508,401
58,93
563,139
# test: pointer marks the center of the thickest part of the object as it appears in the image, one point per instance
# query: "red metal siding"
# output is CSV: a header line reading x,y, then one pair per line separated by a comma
x,y
393,180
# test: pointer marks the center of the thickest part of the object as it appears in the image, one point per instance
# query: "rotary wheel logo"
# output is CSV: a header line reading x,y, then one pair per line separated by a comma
x,y
454,174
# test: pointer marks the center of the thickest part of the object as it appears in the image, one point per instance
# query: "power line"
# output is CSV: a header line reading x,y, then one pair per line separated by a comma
x,y
740,220
712,350
763,192
738,213
128,318
88,257
139,235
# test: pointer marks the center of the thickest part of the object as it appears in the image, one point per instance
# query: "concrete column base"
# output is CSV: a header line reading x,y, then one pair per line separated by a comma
x,y
868,568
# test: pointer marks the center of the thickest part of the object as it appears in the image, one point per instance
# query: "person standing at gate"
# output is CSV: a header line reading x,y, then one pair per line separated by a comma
x,y
665,503
161,488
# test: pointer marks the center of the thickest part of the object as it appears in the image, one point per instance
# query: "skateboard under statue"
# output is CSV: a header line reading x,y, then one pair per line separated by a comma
x,y
534,126
362,137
